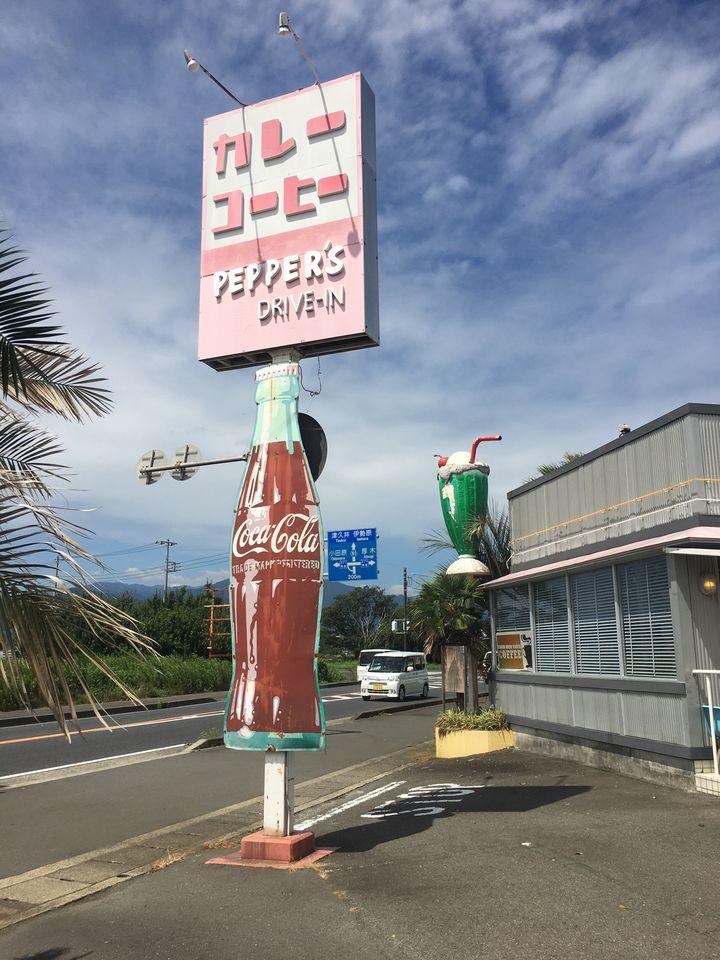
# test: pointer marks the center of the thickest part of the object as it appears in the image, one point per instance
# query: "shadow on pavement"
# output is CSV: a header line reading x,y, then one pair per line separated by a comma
x,y
407,817
54,953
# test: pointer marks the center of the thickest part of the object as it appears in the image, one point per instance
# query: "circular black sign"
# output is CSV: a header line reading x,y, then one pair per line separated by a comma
x,y
315,443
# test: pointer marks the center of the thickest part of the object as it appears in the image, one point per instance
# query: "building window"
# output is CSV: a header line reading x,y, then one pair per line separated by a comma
x,y
512,610
552,636
512,629
646,618
595,629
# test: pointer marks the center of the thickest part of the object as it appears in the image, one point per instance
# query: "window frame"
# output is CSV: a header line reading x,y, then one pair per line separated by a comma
x,y
619,624
536,659
495,628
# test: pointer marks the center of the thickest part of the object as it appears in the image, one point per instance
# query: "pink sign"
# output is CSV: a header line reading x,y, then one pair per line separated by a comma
x,y
289,226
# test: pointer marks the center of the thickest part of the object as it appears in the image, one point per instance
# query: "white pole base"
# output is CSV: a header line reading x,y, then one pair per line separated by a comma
x,y
279,800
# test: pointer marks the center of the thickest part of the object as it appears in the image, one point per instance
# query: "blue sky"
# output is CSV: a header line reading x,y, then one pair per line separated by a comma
x,y
548,198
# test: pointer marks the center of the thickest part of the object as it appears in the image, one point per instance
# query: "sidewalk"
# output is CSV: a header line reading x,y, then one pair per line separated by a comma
x,y
511,856
48,822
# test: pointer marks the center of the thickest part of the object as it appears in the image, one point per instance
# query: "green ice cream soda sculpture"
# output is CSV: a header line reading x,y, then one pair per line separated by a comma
x,y
463,487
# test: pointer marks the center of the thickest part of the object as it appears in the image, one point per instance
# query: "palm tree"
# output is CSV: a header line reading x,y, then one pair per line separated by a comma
x,y
449,610
545,468
40,373
490,536
454,609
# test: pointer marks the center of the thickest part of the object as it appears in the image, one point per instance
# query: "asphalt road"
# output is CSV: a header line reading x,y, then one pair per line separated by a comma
x,y
39,747
47,821
511,856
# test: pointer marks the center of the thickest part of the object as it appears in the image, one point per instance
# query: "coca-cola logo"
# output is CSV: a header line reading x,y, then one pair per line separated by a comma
x,y
294,533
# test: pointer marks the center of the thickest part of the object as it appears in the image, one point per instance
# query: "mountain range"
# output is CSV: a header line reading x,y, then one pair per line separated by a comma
x,y
142,591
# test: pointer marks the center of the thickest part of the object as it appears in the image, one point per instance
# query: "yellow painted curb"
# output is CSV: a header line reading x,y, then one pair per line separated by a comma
x,y
468,743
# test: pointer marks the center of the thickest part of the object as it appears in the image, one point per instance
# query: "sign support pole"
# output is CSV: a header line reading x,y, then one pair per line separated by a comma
x,y
442,674
279,795
279,799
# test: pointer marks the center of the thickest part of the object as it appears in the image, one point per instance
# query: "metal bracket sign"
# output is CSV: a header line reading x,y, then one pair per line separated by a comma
x,y
352,554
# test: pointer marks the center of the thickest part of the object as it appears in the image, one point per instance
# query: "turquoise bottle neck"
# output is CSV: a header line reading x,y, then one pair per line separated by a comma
x,y
276,394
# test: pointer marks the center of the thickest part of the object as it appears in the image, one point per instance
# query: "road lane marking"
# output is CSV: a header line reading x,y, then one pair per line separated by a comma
x,y
140,723
84,763
423,801
306,824
111,729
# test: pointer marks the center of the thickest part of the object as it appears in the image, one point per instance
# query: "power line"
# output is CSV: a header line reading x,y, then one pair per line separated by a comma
x,y
182,566
118,553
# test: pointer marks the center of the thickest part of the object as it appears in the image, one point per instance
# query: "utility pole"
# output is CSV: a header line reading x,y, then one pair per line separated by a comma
x,y
405,616
167,544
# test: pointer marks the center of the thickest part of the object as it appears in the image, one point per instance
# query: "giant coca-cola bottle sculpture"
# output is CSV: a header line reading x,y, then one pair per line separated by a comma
x,y
276,582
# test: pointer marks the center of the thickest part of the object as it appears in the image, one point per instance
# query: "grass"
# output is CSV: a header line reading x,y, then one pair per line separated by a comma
x,y
146,677
459,720
342,664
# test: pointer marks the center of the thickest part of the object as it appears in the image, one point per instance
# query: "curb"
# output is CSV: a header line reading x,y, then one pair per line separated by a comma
x,y
18,718
84,767
117,706
205,743
161,753
56,884
400,708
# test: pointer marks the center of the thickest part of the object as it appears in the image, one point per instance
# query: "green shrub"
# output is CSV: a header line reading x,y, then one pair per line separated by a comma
x,y
327,673
459,720
145,676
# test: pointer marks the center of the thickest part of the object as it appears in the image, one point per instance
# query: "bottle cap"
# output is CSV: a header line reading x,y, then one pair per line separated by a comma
x,y
277,370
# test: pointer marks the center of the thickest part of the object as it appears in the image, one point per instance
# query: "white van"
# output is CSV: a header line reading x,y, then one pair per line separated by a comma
x,y
365,660
396,674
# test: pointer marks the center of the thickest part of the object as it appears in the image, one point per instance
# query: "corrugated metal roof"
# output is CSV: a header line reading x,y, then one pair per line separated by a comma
x,y
710,409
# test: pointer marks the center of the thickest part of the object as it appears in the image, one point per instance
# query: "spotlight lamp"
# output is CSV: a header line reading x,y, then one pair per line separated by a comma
x,y
192,64
286,29
708,584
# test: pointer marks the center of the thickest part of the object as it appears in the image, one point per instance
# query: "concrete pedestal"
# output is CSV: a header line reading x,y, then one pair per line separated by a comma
x,y
262,850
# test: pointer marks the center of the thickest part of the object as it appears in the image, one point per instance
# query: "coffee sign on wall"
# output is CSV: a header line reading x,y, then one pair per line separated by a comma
x,y
514,651
289,226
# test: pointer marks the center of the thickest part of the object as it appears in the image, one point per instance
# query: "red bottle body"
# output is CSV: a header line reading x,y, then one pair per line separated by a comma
x,y
275,596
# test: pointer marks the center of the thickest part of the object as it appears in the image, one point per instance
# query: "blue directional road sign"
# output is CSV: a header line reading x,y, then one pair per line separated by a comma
x,y
352,554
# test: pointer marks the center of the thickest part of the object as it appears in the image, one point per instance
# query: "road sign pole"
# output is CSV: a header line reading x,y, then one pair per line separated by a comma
x,y
405,601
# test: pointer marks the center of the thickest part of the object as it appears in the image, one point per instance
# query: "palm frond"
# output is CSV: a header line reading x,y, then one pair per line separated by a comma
x,y
64,382
39,612
33,629
38,369
545,468
435,542
26,450
36,605
492,535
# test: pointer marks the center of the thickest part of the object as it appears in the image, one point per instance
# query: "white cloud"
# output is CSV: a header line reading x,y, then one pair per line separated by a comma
x,y
548,180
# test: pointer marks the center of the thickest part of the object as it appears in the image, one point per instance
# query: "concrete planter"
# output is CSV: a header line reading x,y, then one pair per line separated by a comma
x,y
469,743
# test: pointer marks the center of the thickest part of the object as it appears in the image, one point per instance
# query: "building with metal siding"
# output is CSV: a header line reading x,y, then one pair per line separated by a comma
x,y
613,597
